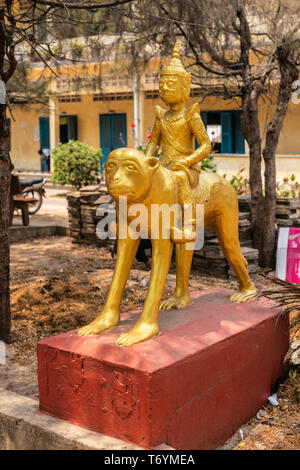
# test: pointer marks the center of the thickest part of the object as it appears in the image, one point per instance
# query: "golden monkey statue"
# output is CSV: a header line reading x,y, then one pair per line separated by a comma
x,y
174,179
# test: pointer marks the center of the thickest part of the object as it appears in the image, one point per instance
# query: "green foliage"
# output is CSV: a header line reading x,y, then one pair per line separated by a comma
x,y
76,163
56,49
208,164
142,148
77,48
240,183
289,188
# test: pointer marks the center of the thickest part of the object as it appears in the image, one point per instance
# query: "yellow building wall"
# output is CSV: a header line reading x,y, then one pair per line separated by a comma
x,y
25,131
25,141
88,112
289,141
25,136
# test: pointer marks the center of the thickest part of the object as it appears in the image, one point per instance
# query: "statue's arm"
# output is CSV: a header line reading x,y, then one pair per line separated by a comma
x,y
154,145
202,138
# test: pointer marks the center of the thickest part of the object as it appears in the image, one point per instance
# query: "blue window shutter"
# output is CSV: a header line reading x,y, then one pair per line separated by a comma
x,y
239,136
75,127
105,136
226,122
44,133
113,133
118,130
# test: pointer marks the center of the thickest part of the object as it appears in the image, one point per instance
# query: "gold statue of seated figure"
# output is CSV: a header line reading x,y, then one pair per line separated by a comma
x,y
174,179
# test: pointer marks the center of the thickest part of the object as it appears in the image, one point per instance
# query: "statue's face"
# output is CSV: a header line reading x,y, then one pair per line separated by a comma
x,y
171,89
128,173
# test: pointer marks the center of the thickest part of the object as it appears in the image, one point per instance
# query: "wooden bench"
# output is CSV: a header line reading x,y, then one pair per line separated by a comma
x,y
18,201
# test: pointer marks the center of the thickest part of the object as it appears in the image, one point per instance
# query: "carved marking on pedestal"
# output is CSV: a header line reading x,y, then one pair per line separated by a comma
x,y
91,400
123,400
60,390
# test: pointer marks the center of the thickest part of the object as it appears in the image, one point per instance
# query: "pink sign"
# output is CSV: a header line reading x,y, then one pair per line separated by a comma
x,y
293,256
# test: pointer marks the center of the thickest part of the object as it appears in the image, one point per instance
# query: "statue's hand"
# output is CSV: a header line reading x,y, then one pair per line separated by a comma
x,y
179,164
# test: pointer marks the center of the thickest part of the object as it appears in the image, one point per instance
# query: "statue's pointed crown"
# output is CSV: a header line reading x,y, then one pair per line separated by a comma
x,y
174,67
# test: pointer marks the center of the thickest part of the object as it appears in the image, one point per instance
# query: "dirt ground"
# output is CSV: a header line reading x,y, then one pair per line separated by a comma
x,y
57,286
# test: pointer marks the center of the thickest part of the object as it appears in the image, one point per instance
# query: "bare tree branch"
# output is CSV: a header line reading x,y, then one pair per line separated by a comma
x,y
80,6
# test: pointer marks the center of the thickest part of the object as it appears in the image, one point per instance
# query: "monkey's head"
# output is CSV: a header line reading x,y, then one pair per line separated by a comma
x,y
129,173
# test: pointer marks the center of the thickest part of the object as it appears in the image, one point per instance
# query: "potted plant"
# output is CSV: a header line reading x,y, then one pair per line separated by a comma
x,y
56,49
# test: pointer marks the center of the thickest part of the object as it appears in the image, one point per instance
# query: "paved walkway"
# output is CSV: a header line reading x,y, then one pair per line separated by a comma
x,y
53,211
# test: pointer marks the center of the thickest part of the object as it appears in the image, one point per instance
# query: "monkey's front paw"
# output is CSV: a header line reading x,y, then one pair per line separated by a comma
x,y
243,296
175,302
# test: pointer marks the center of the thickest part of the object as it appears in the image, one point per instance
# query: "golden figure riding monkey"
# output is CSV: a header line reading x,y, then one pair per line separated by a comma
x,y
174,131
174,179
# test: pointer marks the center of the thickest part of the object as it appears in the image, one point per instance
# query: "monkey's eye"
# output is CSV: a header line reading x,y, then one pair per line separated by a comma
x,y
111,165
131,167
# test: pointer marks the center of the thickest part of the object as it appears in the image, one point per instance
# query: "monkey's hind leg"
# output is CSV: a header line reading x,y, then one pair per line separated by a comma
x,y
228,235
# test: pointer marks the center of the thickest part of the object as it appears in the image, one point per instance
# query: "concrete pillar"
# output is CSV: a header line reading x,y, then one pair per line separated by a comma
x,y
138,106
136,96
53,120
141,129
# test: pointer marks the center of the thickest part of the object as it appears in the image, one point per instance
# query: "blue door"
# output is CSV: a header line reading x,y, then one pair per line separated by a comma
x,y
113,133
239,136
44,133
226,123
44,140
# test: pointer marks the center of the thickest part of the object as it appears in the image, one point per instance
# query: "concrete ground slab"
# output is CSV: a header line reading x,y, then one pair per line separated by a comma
x,y
21,233
51,220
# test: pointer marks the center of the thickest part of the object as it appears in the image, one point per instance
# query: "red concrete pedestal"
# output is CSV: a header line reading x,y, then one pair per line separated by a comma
x,y
209,370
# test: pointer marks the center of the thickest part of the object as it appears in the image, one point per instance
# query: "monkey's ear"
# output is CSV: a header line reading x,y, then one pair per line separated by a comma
x,y
153,163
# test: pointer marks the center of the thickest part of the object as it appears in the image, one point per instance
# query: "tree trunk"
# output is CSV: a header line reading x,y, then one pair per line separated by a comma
x,y
5,177
8,65
267,253
251,130
289,73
